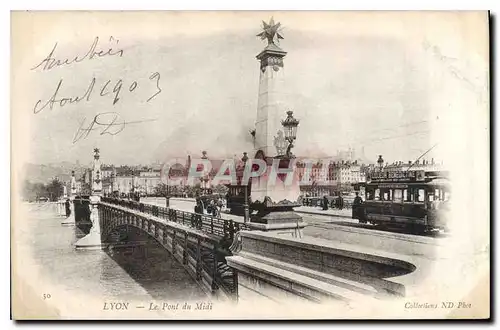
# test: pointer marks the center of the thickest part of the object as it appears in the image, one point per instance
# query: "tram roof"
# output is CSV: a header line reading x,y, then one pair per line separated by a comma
x,y
401,184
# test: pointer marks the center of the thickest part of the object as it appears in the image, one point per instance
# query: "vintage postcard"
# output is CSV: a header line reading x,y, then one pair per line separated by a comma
x,y
250,165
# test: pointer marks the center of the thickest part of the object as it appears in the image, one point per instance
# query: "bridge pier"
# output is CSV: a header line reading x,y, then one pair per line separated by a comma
x,y
93,240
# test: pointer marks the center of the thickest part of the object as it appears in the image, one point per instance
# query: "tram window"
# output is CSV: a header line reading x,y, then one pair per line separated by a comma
x,y
421,195
369,195
405,195
440,194
377,194
398,195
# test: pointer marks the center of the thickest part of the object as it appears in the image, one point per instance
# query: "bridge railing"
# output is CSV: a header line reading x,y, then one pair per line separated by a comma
x,y
206,223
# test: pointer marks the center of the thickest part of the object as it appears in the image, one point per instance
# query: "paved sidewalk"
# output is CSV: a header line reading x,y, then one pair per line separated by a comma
x,y
187,204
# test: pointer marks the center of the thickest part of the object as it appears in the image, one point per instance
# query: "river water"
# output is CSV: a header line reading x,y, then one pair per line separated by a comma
x,y
145,273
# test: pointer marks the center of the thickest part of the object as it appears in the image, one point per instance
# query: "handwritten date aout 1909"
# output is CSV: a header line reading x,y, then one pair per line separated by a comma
x,y
115,92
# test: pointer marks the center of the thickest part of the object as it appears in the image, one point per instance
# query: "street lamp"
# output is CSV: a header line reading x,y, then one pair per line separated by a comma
x,y
290,125
247,210
204,179
112,184
380,162
167,197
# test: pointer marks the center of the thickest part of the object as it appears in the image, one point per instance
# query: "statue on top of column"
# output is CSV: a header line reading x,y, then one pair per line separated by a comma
x,y
270,32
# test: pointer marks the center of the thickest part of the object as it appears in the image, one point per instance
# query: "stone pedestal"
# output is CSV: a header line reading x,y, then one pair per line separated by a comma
x,y
278,218
92,241
274,201
70,221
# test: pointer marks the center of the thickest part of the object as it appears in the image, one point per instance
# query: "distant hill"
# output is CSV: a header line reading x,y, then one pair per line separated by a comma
x,y
43,173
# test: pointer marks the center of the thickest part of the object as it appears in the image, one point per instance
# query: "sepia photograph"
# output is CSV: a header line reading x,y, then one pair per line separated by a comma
x,y
250,165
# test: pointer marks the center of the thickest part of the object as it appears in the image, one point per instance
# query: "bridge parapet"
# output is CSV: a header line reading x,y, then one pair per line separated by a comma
x,y
222,228
275,267
202,254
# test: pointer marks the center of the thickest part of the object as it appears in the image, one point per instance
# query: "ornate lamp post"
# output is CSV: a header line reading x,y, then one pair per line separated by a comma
x,y
112,177
204,178
247,210
167,197
380,162
290,125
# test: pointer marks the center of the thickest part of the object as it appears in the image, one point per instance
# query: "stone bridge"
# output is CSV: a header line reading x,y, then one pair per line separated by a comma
x,y
233,260
198,242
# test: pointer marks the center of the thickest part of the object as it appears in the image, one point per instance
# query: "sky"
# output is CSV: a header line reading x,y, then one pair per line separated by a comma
x,y
382,82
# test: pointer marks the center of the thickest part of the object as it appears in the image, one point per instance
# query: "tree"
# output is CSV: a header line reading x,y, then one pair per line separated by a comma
x,y
55,190
86,188
161,189
193,191
32,191
220,189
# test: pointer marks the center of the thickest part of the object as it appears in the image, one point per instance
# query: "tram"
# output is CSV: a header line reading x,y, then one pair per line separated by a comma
x,y
418,200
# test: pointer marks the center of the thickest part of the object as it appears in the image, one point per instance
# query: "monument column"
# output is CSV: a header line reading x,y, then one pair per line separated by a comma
x,y
93,239
273,199
71,219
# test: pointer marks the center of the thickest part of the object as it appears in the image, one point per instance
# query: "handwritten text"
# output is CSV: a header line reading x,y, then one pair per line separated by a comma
x,y
50,61
105,89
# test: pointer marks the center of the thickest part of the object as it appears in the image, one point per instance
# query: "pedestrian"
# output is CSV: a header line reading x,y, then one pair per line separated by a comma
x,y
356,207
325,203
213,208
341,202
198,209
224,204
210,206
68,209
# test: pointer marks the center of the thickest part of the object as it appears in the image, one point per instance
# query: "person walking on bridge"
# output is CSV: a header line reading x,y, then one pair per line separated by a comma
x,y
356,207
68,208
341,202
325,203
